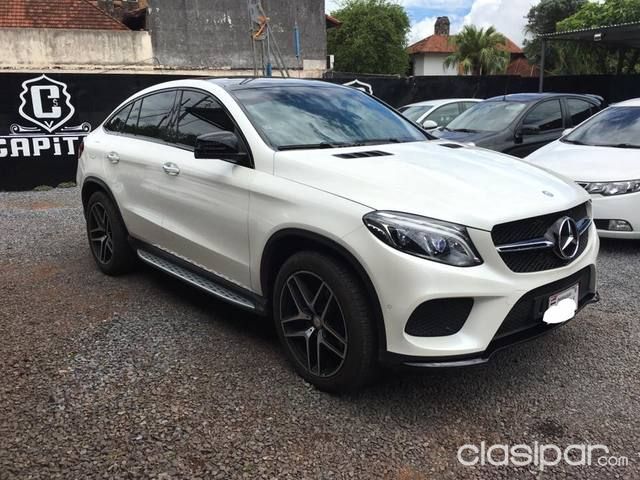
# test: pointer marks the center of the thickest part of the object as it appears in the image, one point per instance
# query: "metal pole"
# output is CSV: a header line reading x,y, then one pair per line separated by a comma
x,y
542,64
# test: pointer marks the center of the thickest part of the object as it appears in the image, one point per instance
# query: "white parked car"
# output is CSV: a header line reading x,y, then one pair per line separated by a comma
x,y
365,240
603,155
432,114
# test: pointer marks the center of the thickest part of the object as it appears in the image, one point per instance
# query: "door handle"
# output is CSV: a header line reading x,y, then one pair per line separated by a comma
x,y
113,157
171,169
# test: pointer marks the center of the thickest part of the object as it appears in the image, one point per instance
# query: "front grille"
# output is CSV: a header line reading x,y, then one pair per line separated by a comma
x,y
528,311
532,228
439,318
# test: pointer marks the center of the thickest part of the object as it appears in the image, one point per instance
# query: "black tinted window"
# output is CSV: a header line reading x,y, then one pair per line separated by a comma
x,y
445,114
132,122
579,110
155,115
199,114
546,116
616,126
118,121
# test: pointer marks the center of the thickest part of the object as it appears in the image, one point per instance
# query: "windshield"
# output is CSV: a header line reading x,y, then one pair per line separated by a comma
x,y
414,113
299,117
614,127
487,116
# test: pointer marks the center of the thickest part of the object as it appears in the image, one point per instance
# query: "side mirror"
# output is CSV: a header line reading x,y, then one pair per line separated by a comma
x,y
221,146
429,125
567,131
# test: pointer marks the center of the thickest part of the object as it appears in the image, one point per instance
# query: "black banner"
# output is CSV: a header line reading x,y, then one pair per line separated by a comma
x,y
43,117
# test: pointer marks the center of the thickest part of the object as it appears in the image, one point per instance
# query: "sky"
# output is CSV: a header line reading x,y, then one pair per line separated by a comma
x,y
508,16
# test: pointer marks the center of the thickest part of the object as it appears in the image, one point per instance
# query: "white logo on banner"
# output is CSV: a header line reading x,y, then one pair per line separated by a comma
x,y
46,103
358,85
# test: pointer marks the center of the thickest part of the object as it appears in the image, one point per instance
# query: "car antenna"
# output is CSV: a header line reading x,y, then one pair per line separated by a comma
x,y
506,88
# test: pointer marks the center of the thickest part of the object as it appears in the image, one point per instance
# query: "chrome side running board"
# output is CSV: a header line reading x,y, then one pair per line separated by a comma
x,y
194,279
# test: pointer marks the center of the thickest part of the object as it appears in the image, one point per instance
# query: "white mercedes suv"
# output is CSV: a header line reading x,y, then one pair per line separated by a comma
x,y
367,241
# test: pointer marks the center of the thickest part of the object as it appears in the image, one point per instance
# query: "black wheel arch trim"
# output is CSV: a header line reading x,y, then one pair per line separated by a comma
x,y
267,264
103,186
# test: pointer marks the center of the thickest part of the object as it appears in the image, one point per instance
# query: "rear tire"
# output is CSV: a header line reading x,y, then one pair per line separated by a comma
x,y
108,237
324,322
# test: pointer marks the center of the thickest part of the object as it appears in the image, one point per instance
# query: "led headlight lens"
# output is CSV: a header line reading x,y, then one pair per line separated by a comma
x,y
612,188
435,240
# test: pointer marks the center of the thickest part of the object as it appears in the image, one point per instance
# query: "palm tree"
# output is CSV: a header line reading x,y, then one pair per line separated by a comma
x,y
479,51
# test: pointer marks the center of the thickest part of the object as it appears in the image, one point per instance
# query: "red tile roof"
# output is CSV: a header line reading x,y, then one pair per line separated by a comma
x,y
55,14
332,22
441,44
521,66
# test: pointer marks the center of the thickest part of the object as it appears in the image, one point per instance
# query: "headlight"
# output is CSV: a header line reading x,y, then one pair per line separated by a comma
x,y
612,188
424,237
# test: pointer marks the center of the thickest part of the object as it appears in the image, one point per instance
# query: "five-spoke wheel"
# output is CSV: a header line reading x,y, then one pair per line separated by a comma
x,y
313,323
100,234
323,319
108,237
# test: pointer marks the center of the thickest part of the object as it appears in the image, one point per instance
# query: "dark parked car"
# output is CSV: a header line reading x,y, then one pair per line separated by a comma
x,y
521,123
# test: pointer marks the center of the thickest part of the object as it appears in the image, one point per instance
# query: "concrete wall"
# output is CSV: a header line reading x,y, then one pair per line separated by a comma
x,y
432,64
29,48
215,34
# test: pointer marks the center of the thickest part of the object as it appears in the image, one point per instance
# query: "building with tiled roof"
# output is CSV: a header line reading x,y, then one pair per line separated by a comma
x,y
59,14
428,55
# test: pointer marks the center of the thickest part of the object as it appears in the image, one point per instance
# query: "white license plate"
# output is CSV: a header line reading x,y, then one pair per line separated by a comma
x,y
562,306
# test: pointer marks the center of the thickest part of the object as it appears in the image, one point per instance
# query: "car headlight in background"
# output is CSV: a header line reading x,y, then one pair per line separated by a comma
x,y
435,240
612,188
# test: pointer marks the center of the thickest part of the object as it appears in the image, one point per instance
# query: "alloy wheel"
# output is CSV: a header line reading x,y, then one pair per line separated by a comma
x,y
313,324
100,233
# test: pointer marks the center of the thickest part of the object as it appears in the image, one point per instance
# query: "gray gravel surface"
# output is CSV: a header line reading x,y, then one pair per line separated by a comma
x,y
141,377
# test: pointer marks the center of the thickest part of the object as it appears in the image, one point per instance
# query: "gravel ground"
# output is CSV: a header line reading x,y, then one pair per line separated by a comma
x,y
142,377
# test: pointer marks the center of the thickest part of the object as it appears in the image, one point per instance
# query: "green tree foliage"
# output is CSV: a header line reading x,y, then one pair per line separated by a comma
x,y
592,58
542,18
372,38
479,51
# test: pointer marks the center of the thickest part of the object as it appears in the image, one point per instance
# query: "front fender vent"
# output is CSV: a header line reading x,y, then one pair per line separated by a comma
x,y
371,153
452,145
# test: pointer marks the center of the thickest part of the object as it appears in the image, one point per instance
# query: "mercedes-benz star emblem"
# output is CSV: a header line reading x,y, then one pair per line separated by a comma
x,y
567,238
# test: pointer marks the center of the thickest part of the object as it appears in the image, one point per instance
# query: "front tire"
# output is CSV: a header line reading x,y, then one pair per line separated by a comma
x,y
108,238
324,322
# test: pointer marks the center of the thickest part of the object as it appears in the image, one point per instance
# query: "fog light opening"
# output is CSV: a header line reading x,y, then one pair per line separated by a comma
x,y
620,226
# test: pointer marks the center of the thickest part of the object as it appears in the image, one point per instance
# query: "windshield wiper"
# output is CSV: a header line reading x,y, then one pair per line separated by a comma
x,y
573,142
618,145
375,141
310,146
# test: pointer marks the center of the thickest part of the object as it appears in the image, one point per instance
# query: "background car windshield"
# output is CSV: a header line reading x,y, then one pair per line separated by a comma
x,y
314,115
488,116
414,113
616,126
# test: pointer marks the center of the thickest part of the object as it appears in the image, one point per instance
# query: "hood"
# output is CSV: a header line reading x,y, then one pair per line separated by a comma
x,y
464,137
469,186
589,164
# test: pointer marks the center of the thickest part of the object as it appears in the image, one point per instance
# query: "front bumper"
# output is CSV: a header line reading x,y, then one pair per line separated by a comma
x,y
524,323
404,282
618,207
